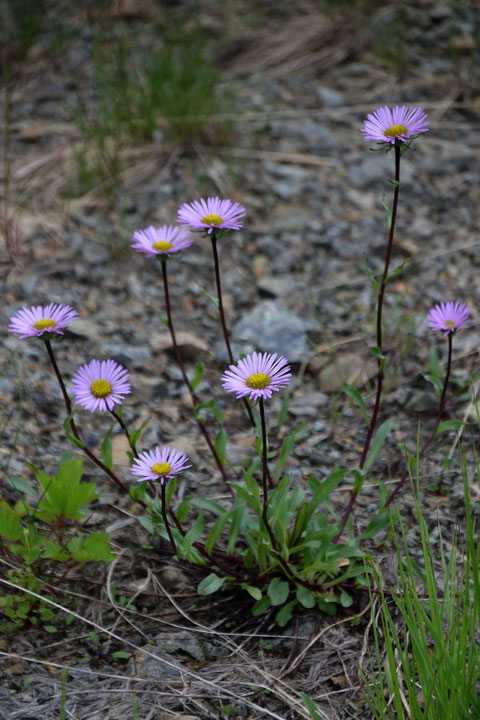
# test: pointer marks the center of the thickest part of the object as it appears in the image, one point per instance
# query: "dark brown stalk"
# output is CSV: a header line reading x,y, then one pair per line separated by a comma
x,y
427,442
381,296
222,318
187,382
379,340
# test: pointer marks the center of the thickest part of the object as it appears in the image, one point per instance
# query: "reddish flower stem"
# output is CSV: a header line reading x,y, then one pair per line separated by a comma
x,y
379,340
222,319
187,382
381,296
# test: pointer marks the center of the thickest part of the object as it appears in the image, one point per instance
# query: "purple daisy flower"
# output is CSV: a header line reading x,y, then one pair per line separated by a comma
x,y
448,316
34,321
161,241
257,375
402,123
211,213
100,385
159,464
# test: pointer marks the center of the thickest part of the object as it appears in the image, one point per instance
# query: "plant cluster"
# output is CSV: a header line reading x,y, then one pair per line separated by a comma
x,y
284,544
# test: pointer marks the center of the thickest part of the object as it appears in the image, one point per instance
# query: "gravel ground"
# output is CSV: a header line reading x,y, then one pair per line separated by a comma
x,y
294,283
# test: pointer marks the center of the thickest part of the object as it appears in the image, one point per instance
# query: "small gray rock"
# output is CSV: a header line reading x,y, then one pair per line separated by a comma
x,y
271,327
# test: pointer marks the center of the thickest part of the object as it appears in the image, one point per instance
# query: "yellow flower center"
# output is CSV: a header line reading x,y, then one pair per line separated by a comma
x,y
212,219
45,323
101,388
450,323
161,469
396,130
162,245
258,381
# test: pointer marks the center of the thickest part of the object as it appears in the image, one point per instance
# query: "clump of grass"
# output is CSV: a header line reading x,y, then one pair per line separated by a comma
x,y
432,664
163,90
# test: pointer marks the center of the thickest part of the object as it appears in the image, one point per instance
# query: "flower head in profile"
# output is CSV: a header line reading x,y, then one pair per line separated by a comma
x,y
161,241
100,385
159,464
448,316
38,320
211,214
401,123
257,375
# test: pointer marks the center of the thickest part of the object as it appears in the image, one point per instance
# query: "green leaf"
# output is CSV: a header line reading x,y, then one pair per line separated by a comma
x,y
346,600
377,444
217,529
194,533
210,584
22,485
93,548
50,628
220,444
255,592
448,425
359,476
311,707
10,526
136,433
147,524
199,368
371,276
70,437
106,448
261,606
305,597
278,591
121,655
285,614
378,524
54,551
282,415
399,269
64,494
355,396
201,416
204,293
376,352
387,210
